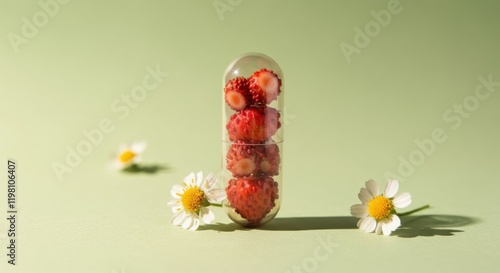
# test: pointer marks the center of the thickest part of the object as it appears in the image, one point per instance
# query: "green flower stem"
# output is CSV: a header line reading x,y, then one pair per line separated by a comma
x,y
413,211
216,205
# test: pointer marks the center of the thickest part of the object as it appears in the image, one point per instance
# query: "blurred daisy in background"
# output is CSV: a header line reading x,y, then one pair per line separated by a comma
x,y
129,155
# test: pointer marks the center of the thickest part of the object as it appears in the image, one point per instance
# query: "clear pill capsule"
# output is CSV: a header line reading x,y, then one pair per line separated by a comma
x,y
253,96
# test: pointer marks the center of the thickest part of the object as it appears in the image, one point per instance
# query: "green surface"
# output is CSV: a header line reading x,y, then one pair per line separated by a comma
x,y
346,122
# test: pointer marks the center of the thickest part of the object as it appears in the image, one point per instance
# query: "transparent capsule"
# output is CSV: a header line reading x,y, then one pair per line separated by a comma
x,y
252,129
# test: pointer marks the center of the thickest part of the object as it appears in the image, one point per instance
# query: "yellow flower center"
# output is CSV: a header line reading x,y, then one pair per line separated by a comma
x,y
380,207
127,156
192,199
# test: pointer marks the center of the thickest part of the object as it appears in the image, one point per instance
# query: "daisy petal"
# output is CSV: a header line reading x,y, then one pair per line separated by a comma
x,y
378,229
391,189
188,221
367,224
364,195
216,195
372,187
359,222
138,147
207,215
199,179
176,205
173,202
117,164
178,218
195,225
177,208
176,191
189,179
359,211
402,200
395,222
386,227
209,181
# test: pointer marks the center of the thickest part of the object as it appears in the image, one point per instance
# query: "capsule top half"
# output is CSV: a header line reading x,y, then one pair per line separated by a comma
x,y
253,100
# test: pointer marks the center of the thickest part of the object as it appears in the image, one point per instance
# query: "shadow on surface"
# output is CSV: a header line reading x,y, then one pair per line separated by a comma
x,y
222,227
293,224
145,168
432,225
311,223
413,226
405,232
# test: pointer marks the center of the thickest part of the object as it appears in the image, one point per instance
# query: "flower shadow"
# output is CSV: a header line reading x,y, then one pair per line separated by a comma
x,y
432,225
146,168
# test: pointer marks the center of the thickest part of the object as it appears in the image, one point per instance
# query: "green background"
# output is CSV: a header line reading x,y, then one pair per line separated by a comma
x,y
345,122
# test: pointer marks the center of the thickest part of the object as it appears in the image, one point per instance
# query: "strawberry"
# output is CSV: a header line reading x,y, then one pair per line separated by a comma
x,y
241,159
264,86
268,160
252,197
245,160
253,125
236,93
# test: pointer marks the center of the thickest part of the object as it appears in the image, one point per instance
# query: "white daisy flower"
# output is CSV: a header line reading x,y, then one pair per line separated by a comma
x,y
192,199
129,155
377,211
